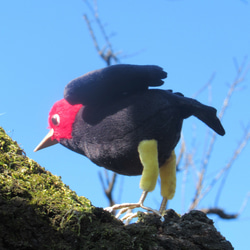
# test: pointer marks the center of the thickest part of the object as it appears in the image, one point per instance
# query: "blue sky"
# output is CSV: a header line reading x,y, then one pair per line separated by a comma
x,y
45,44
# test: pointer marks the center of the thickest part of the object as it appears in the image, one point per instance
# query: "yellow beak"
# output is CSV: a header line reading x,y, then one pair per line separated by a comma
x,y
46,142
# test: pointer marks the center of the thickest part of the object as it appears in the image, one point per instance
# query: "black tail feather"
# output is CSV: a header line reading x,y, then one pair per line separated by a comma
x,y
205,113
208,115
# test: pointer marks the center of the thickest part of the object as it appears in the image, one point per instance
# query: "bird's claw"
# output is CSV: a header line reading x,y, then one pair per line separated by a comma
x,y
129,206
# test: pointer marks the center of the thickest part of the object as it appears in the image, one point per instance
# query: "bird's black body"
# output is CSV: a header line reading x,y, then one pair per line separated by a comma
x,y
123,111
110,116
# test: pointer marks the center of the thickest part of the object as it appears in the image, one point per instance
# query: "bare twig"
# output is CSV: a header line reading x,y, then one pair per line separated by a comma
x,y
181,154
108,188
91,32
240,76
188,162
237,152
205,86
220,212
244,204
106,53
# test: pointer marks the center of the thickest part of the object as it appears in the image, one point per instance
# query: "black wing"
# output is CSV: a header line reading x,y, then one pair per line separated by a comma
x,y
112,82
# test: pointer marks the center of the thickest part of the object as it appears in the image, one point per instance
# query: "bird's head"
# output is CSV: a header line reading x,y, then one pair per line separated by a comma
x,y
61,119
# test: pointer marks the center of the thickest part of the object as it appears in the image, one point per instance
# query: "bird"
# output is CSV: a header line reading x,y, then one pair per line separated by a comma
x,y
118,119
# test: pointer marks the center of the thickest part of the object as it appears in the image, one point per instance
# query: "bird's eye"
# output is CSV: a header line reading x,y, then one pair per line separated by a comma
x,y
55,119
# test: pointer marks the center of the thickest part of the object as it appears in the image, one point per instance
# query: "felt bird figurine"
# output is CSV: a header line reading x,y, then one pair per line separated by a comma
x,y
112,117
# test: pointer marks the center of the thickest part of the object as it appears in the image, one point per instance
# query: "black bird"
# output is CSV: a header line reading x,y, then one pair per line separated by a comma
x,y
112,117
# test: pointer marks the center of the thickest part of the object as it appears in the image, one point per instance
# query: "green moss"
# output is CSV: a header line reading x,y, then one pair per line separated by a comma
x,y
38,211
23,177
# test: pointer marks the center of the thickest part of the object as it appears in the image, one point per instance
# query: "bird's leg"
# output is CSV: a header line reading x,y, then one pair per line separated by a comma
x,y
148,154
168,180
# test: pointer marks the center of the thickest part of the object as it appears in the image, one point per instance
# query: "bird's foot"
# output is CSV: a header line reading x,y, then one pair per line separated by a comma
x,y
125,207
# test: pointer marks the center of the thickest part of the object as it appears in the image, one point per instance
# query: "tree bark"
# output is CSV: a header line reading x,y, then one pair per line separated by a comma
x,y
38,211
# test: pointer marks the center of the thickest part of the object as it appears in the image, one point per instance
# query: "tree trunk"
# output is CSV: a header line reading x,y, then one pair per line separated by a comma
x,y
38,211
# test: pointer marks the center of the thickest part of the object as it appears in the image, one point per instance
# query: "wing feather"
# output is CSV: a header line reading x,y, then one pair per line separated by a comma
x,y
112,82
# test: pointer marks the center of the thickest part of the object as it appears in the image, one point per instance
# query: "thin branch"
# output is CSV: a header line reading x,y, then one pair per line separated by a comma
x,y
220,212
188,162
106,53
95,13
181,154
236,154
240,76
244,204
108,188
91,32
205,86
